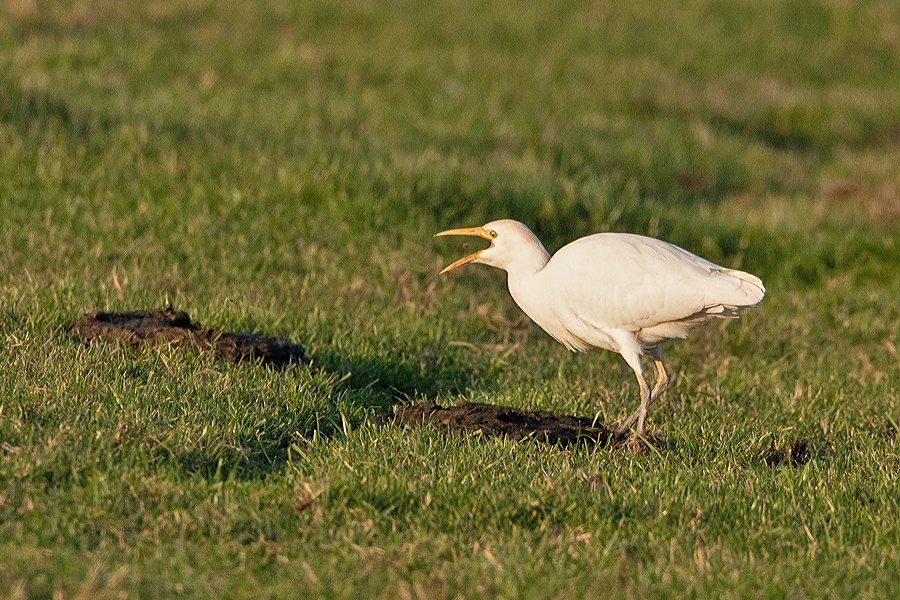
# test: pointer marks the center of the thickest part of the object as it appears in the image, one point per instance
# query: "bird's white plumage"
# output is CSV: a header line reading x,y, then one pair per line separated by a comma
x,y
622,292
641,285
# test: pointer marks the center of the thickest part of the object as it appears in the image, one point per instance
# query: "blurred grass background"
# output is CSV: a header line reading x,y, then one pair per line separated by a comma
x,y
282,166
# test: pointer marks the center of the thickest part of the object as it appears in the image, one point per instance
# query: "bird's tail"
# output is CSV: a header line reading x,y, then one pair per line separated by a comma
x,y
736,292
749,292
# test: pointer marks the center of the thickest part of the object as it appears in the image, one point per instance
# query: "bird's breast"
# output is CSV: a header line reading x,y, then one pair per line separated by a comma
x,y
547,306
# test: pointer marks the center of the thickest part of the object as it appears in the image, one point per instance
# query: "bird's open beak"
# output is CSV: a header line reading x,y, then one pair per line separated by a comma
x,y
477,231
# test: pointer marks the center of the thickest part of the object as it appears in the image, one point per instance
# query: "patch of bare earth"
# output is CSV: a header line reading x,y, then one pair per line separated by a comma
x,y
166,325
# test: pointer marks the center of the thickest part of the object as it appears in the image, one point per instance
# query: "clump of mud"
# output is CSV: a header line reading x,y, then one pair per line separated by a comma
x,y
175,327
796,453
490,419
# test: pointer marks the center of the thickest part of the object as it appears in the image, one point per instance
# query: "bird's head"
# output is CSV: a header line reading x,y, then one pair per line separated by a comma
x,y
513,247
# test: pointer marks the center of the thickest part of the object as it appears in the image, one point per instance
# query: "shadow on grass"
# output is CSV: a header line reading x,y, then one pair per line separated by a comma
x,y
370,387
362,386
39,110
382,381
25,110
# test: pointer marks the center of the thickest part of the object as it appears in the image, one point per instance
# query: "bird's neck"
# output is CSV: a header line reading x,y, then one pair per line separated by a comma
x,y
527,263
526,286
523,268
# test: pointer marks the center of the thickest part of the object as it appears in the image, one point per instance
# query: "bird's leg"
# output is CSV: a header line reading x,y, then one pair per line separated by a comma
x,y
662,382
646,400
641,413
648,396
662,377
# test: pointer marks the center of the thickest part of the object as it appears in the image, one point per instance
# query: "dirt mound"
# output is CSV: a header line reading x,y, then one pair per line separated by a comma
x,y
796,453
176,327
490,419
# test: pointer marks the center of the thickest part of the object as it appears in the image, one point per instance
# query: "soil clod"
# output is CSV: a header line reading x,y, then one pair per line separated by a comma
x,y
175,327
795,452
490,419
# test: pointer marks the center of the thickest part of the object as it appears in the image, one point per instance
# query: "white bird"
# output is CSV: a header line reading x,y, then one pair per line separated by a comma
x,y
622,292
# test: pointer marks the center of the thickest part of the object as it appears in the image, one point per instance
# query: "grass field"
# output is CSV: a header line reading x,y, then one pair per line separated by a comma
x,y
281,167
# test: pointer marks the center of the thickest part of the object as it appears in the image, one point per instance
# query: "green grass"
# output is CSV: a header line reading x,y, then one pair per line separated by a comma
x,y
281,167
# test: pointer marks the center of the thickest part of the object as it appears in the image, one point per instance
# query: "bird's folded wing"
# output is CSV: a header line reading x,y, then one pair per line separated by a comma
x,y
621,281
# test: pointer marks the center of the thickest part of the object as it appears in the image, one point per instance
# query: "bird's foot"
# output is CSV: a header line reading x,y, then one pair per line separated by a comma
x,y
625,427
621,430
639,438
648,441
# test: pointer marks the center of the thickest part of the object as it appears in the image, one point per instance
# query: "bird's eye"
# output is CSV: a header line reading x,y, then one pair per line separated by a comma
x,y
492,233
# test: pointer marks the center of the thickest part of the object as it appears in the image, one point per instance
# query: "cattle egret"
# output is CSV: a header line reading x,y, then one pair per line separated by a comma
x,y
622,292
